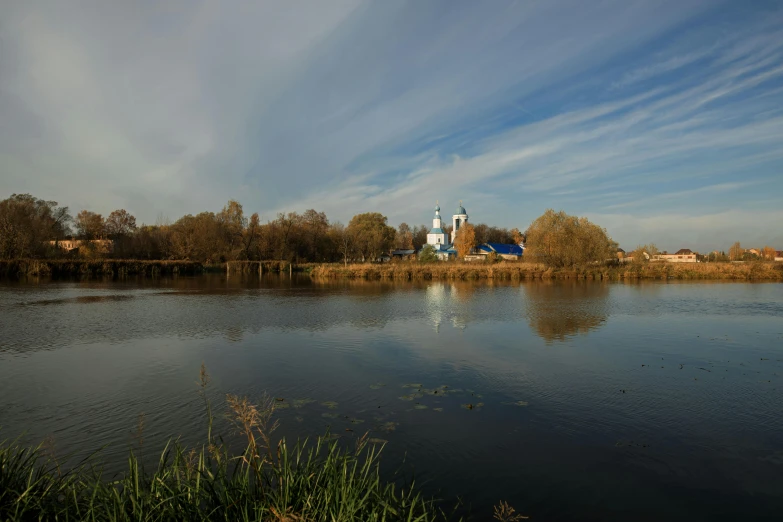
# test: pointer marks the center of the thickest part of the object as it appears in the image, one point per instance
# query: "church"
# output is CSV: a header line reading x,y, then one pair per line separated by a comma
x,y
444,246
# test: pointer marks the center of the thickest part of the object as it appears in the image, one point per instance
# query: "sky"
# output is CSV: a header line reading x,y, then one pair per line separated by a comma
x,y
662,121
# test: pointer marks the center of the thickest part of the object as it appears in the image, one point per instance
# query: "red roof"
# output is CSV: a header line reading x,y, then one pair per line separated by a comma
x,y
684,252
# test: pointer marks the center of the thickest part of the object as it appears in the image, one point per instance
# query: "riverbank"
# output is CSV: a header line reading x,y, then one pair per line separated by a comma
x,y
507,270
16,268
758,271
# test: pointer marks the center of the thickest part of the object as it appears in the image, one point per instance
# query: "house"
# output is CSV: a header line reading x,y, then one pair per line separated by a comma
x,y
70,245
778,255
509,252
753,251
684,255
620,253
403,254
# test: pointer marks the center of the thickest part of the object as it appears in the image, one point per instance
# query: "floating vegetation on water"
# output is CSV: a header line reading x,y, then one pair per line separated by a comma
x,y
411,385
329,415
471,406
420,406
330,404
437,409
409,397
331,436
377,441
388,426
357,421
299,403
518,403
377,386
279,399
282,405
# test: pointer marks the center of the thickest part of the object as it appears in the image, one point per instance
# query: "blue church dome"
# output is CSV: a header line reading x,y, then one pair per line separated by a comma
x,y
437,207
460,209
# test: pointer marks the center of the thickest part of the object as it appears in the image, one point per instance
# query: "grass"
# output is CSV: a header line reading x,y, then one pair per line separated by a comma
x,y
269,480
515,270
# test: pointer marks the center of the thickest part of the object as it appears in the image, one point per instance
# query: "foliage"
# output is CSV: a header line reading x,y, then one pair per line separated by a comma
x,y
517,236
644,253
560,240
420,236
27,224
404,238
427,254
768,253
370,235
736,251
465,240
90,225
269,480
120,224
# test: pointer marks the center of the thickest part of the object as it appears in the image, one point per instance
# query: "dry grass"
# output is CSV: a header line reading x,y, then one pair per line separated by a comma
x,y
759,271
97,267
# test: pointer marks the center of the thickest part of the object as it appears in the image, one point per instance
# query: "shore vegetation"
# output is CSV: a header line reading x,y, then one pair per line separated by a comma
x,y
269,480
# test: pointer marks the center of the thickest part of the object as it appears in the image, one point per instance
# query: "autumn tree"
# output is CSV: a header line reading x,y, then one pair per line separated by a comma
x,y
27,224
517,237
644,253
90,225
768,253
420,236
119,224
465,240
736,251
315,242
560,240
343,240
371,235
231,223
404,238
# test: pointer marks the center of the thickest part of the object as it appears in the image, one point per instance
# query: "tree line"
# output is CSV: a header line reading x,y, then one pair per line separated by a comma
x,y
32,227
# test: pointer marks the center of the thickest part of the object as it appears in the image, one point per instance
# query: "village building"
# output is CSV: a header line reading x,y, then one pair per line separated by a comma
x,y
684,255
104,246
503,251
437,237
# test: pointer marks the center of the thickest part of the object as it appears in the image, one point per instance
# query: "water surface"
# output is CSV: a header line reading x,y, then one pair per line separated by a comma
x,y
570,400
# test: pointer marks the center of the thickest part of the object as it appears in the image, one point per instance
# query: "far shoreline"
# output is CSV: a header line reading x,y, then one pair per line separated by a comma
x,y
403,270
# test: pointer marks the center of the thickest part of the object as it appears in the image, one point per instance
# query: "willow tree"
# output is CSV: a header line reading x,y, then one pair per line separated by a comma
x,y
465,240
560,240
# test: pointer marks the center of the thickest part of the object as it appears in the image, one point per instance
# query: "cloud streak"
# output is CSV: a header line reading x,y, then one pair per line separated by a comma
x,y
665,109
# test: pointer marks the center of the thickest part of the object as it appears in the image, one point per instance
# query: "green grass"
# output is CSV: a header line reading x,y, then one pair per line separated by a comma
x,y
318,481
268,481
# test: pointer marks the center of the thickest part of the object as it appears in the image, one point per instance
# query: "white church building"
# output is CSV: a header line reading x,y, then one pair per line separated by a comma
x,y
444,247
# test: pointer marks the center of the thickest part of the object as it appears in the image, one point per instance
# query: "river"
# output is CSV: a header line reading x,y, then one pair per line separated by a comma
x,y
569,400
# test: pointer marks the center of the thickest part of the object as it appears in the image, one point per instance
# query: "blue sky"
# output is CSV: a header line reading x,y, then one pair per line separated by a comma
x,y
660,120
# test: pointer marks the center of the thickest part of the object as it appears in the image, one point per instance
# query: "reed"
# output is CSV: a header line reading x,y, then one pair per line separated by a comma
x,y
270,480
99,267
751,271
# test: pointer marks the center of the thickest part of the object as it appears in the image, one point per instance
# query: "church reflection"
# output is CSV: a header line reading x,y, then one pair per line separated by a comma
x,y
559,310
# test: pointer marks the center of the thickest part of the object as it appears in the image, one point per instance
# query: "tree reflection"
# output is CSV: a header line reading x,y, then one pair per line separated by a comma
x,y
558,310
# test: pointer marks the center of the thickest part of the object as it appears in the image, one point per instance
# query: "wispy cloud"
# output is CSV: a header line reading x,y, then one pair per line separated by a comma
x,y
355,106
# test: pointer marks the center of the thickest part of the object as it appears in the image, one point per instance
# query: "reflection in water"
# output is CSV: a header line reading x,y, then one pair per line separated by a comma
x,y
557,310
591,431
